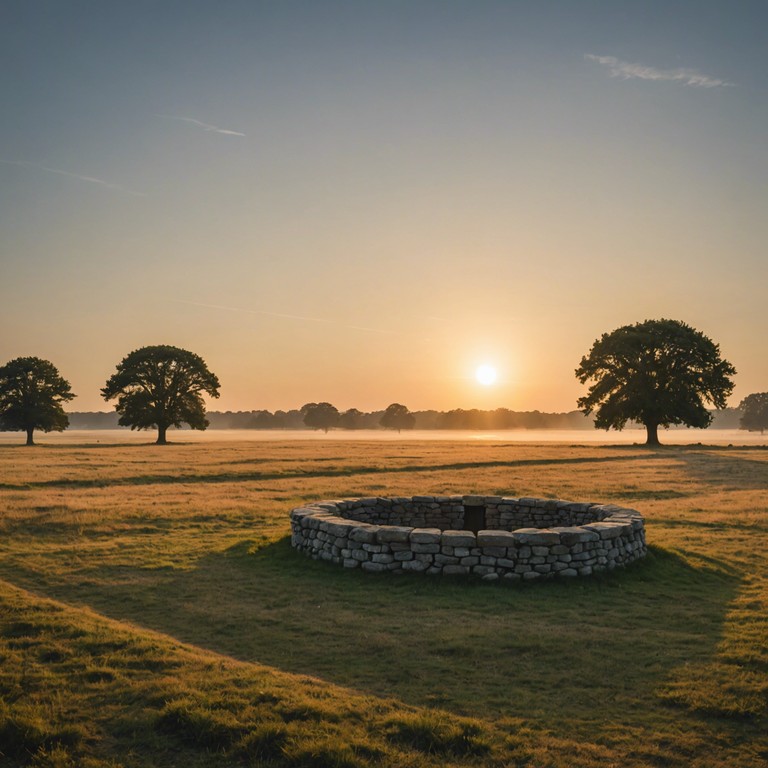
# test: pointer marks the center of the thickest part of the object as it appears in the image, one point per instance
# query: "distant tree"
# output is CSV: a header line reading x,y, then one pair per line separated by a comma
x,y
754,412
320,416
397,416
351,419
658,372
160,387
31,397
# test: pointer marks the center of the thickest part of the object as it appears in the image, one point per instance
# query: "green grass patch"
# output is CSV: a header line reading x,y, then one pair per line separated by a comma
x,y
152,617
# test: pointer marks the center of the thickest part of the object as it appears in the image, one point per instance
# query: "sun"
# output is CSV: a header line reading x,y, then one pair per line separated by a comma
x,y
486,375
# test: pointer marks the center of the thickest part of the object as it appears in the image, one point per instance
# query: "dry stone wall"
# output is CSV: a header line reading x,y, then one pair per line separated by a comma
x,y
516,538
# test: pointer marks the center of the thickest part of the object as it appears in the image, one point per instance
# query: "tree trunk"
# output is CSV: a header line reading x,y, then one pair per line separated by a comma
x,y
653,434
30,430
161,430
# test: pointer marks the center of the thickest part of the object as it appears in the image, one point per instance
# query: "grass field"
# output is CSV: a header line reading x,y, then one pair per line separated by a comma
x,y
152,613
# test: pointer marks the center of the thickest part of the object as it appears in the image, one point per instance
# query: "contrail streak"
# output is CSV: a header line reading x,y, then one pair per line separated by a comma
x,y
78,176
204,126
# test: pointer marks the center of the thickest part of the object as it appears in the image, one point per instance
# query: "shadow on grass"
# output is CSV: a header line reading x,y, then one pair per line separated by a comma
x,y
576,649
721,469
345,471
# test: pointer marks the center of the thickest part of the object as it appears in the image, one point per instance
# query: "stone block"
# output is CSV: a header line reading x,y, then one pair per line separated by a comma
x,y
495,539
431,548
426,536
458,538
536,537
531,575
609,530
364,533
455,570
394,533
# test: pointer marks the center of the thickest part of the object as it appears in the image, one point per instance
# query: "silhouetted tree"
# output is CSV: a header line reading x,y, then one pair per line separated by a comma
x,y
397,416
351,419
161,387
31,397
754,412
320,415
658,372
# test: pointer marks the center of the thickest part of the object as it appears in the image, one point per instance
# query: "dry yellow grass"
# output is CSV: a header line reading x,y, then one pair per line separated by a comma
x,y
663,664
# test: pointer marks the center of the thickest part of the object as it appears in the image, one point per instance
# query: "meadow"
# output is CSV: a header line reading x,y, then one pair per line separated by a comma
x,y
153,613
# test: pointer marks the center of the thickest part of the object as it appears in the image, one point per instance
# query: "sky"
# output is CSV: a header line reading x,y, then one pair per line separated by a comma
x,y
363,202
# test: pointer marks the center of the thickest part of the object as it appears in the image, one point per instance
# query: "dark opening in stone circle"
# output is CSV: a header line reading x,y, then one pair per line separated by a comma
x,y
492,537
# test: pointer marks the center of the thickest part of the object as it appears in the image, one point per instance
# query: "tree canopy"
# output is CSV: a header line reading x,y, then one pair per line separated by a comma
x,y
658,373
754,412
320,415
161,387
398,417
31,397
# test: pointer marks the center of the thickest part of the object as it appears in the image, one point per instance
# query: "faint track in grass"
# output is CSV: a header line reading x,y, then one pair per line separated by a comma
x,y
231,477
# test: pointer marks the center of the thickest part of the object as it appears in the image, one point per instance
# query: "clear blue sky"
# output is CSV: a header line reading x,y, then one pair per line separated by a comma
x,y
362,202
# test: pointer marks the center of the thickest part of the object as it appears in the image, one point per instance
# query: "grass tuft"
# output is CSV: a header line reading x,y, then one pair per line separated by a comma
x,y
432,733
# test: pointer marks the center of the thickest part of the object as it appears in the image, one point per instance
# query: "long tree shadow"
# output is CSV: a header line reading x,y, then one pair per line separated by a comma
x,y
575,649
726,468
344,471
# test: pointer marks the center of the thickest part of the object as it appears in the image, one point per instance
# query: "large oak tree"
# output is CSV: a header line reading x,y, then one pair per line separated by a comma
x,y
31,397
161,387
658,373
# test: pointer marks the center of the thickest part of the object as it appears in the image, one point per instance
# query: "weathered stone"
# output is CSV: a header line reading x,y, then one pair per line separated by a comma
x,y
494,551
455,570
536,537
608,530
540,537
431,548
570,536
530,575
458,538
364,533
393,533
496,539
425,536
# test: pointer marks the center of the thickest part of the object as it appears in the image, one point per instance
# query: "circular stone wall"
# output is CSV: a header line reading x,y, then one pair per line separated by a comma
x,y
491,536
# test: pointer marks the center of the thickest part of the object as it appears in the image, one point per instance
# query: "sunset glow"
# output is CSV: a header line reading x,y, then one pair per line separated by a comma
x,y
486,375
338,202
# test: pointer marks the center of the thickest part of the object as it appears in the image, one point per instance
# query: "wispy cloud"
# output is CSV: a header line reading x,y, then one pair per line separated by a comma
x,y
626,70
78,176
204,126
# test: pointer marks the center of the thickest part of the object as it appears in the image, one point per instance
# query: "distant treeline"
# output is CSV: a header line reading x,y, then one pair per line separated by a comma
x,y
474,419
